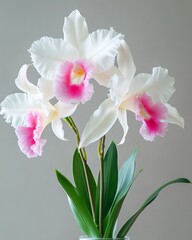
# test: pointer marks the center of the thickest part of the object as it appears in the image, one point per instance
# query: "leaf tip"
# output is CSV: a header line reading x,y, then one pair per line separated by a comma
x,y
57,173
186,180
113,143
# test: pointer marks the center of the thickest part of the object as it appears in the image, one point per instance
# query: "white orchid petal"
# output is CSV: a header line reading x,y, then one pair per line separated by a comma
x,y
103,78
125,61
122,116
23,83
158,85
57,127
46,88
48,53
101,48
138,84
65,109
75,29
118,88
100,123
173,116
16,106
114,92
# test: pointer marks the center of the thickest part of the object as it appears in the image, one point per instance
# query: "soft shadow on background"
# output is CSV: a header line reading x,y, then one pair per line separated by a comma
x,y
159,33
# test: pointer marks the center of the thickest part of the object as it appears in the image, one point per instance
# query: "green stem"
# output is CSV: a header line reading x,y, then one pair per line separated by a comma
x,y
101,148
83,156
72,125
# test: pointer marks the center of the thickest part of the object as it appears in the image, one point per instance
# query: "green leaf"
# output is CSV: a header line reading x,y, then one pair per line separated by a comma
x,y
110,177
111,219
80,179
125,180
126,175
97,200
78,207
124,230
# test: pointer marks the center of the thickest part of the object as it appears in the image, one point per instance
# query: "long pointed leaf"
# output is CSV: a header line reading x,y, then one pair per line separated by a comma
x,y
80,179
124,230
110,224
125,180
79,218
78,207
110,177
126,174
111,219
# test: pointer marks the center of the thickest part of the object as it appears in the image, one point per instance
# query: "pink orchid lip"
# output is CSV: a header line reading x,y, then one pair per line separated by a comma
x,y
29,139
72,82
153,116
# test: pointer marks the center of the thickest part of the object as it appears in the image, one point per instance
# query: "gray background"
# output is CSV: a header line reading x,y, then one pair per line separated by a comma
x,y
159,33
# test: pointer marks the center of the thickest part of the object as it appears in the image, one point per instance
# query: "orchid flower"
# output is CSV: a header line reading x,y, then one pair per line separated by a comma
x,y
71,62
30,112
145,95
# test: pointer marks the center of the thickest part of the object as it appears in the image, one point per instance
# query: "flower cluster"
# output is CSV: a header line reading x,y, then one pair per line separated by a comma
x,y
66,67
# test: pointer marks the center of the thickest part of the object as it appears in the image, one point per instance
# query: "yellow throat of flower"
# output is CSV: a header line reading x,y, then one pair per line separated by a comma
x,y
77,75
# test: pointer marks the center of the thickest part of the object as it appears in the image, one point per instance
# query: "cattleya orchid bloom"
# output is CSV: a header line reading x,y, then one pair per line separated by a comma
x,y
145,95
71,62
30,112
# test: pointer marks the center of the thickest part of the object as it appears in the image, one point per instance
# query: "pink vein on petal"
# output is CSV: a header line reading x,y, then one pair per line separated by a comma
x,y
153,116
72,82
29,139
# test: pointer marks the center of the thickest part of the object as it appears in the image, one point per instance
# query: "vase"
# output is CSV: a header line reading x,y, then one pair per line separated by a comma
x,y
95,238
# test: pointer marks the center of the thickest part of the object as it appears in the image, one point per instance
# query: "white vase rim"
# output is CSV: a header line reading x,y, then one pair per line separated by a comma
x,y
98,238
